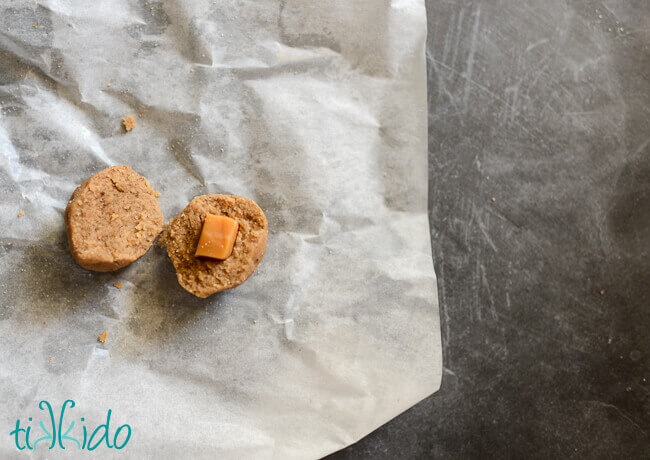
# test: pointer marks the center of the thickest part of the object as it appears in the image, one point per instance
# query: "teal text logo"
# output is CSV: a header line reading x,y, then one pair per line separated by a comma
x,y
57,432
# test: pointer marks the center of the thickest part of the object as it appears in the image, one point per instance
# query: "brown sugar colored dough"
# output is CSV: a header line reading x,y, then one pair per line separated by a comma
x,y
112,219
203,276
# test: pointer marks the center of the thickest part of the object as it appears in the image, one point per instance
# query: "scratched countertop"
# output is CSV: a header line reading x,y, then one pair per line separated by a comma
x,y
539,195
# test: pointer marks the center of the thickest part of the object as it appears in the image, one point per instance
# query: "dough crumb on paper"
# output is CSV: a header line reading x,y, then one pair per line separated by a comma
x,y
102,337
118,285
21,213
129,123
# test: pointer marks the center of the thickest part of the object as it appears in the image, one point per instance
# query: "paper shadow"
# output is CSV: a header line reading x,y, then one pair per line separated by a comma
x,y
41,286
43,282
160,309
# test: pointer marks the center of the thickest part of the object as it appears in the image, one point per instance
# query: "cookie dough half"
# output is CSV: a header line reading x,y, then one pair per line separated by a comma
x,y
203,276
112,219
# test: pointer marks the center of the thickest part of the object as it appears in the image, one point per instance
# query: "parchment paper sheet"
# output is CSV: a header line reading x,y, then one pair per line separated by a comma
x,y
317,111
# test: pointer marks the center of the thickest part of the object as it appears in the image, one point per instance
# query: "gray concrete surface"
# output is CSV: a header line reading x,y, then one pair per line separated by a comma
x,y
539,143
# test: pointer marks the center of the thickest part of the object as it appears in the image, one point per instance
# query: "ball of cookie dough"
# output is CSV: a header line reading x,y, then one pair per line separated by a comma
x,y
204,276
112,219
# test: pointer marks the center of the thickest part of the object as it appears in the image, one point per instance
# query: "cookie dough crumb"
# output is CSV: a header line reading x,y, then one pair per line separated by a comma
x,y
21,213
52,359
494,199
157,193
118,285
164,235
103,336
36,25
129,123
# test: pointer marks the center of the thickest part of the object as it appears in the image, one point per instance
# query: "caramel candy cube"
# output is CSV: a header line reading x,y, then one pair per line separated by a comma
x,y
217,237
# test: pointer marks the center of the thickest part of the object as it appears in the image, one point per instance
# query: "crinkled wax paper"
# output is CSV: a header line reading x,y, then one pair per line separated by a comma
x,y
317,111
